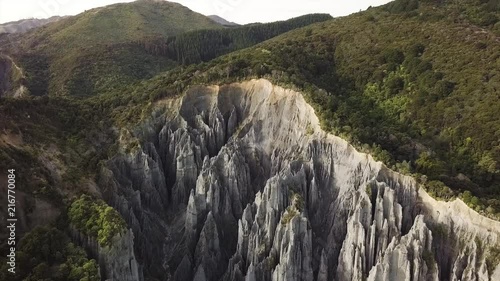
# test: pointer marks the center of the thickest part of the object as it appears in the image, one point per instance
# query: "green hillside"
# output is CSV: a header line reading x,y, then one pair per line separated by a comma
x,y
118,23
109,48
205,45
85,54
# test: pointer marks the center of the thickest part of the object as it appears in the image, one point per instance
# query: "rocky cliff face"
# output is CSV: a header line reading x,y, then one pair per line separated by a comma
x,y
239,182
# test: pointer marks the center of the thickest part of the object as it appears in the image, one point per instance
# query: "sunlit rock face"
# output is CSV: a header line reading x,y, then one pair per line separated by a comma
x,y
239,182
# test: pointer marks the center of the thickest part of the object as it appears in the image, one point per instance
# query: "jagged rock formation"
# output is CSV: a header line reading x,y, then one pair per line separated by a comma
x,y
116,262
238,182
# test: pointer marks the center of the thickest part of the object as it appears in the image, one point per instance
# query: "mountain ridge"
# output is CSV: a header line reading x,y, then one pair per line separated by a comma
x,y
21,26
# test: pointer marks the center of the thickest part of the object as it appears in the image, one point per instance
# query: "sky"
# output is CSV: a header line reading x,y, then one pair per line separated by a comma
x,y
239,11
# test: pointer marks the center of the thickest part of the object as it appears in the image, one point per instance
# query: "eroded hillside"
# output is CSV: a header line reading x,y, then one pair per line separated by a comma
x,y
239,182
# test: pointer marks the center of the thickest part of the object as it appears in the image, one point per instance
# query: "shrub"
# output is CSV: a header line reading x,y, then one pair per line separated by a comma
x,y
289,214
472,201
416,50
487,19
395,84
429,164
496,28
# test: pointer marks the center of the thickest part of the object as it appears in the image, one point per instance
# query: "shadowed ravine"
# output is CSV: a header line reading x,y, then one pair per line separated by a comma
x,y
239,182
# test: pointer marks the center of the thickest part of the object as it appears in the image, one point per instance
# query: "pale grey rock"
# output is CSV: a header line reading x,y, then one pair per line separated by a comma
x,y
293,244
119,258
405,259
200,274
117,261
239,182
208,250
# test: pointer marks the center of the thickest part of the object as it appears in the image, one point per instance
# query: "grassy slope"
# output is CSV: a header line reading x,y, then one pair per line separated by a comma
x,y
119,23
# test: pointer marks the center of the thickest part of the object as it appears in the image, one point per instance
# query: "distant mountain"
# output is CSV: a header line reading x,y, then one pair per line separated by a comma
x,y
24,25
222,21
123,22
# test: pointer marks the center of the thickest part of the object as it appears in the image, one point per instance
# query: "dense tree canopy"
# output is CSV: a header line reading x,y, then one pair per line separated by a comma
x,y
47,254
95,218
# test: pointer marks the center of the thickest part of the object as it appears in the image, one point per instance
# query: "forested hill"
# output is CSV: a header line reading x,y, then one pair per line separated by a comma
x,y
108,48
84,54
204,45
